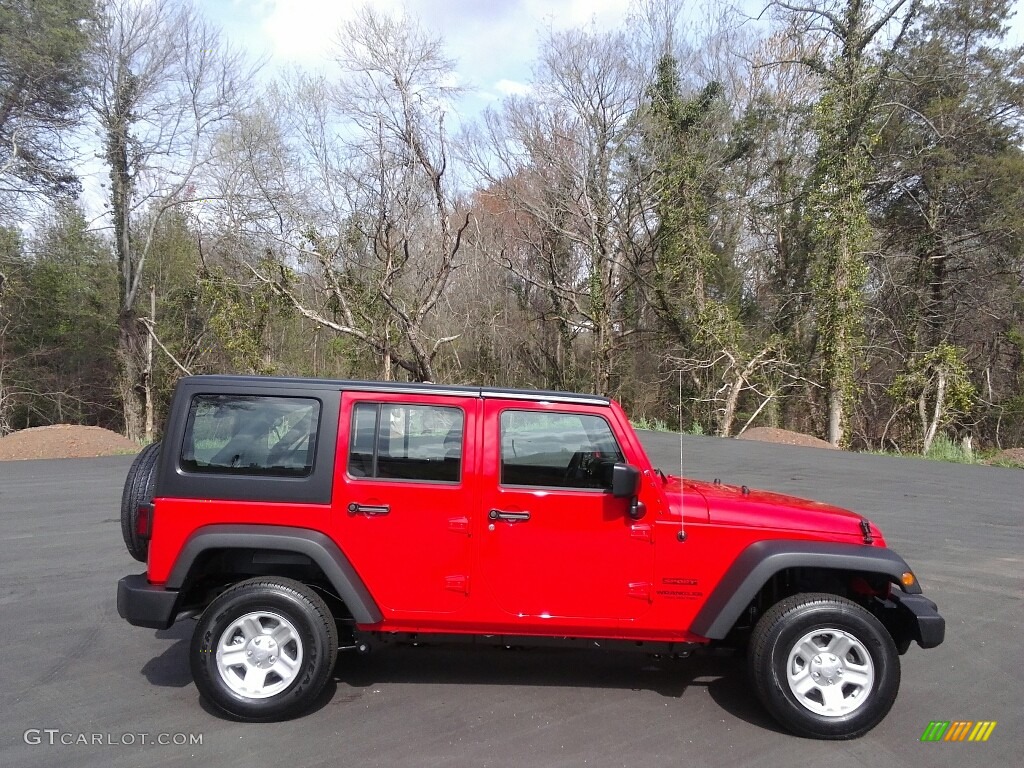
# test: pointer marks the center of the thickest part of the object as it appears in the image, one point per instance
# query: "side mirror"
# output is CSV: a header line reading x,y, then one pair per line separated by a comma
x,y
626,485
625,481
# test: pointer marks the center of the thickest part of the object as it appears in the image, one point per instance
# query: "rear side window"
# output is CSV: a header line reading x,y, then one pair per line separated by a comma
x,y
558,450
250,435
391,441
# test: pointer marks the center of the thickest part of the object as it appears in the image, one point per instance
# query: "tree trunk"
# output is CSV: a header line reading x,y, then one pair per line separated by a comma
x,y
566,357
966,445
940,402
836,396
729,412
936,315
602,360
129,341
129,356
147,377
5,424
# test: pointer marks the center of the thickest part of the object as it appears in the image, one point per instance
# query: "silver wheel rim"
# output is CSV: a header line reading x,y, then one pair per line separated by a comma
x,y
259,654
830,672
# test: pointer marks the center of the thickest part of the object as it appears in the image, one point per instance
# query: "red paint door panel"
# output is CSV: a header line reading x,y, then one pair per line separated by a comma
x,y
556,544
403,499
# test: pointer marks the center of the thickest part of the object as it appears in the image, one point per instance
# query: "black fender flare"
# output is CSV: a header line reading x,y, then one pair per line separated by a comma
x,y
763,559
317,546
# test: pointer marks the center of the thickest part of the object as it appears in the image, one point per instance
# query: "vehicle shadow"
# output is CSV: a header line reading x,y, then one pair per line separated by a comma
x,y
171,669
327,696
724,676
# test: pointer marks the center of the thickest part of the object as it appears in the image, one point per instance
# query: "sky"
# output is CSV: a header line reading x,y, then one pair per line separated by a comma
x,y
493,41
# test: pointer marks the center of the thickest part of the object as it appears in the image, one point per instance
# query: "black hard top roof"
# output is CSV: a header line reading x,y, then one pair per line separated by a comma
x,y
395,387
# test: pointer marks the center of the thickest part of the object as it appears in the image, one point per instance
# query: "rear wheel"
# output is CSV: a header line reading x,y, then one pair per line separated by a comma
x,y
824,667
139,486
264,649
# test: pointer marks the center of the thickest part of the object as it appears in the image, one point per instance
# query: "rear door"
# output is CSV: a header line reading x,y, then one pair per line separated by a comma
x,y
557,543
403,505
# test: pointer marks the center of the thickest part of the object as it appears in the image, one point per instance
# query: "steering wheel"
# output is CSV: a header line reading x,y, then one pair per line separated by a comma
x,y
575,472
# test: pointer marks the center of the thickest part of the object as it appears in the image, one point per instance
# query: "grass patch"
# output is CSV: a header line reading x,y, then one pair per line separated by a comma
x,y
652,425
1007,463
660,425
944,449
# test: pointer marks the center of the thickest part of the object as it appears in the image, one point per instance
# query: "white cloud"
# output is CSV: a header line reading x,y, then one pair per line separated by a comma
x,y
486,37
579,13
305,31
512,88
494,42
302,31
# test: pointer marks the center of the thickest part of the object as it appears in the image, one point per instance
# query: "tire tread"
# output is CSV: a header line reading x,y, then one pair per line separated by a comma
x,y
761,650
320,616
139,487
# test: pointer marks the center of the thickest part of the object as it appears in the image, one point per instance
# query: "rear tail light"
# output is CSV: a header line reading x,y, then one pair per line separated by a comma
x,y
144,520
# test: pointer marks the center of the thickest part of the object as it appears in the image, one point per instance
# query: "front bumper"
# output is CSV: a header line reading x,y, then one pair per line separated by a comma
x,y
913,618
146,605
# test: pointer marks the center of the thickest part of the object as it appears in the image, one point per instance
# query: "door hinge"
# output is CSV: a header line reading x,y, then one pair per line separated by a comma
x,y
641,531
640,590
457,583
459,524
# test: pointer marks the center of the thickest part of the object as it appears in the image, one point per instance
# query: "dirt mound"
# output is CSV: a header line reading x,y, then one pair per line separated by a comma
x,y
64,441
1014,456
784,436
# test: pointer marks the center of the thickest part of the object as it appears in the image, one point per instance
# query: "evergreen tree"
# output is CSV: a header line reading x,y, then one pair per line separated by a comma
x,y
43,50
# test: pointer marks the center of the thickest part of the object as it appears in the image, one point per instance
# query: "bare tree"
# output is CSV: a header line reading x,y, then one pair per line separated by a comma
x,y
166,84
560,161
370,255
6,396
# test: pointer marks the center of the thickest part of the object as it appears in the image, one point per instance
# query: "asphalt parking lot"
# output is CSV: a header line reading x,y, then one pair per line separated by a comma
x,y
72,669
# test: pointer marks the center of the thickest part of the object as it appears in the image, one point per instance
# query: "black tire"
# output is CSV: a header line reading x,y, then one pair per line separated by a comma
x,y
780,633
139,487
313,646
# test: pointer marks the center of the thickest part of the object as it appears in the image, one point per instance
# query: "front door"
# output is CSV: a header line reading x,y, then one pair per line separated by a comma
x,y
404,505
557,544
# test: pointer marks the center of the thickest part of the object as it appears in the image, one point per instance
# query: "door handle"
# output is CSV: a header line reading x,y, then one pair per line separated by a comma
x,y
370,510
520,517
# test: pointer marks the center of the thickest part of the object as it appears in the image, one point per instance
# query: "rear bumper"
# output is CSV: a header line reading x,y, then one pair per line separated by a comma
x,y
145,605
914,617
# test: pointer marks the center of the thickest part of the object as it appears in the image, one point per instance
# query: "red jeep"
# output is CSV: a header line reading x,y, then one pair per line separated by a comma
x,y
295,517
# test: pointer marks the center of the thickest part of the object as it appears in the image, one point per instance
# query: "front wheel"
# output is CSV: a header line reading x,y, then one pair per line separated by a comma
x,y
264,649
824,667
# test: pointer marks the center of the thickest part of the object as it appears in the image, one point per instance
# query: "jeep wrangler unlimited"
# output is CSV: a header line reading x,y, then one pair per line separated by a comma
x,y
295,517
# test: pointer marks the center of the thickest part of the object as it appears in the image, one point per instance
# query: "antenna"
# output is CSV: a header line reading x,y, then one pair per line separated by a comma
x,y
682,508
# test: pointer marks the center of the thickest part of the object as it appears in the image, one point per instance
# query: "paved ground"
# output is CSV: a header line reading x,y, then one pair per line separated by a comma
x,y
70,664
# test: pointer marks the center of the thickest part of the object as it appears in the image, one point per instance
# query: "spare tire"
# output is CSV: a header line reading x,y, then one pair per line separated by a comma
x,y
139,487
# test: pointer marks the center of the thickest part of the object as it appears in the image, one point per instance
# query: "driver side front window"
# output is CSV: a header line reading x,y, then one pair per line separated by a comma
x,y
560,450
